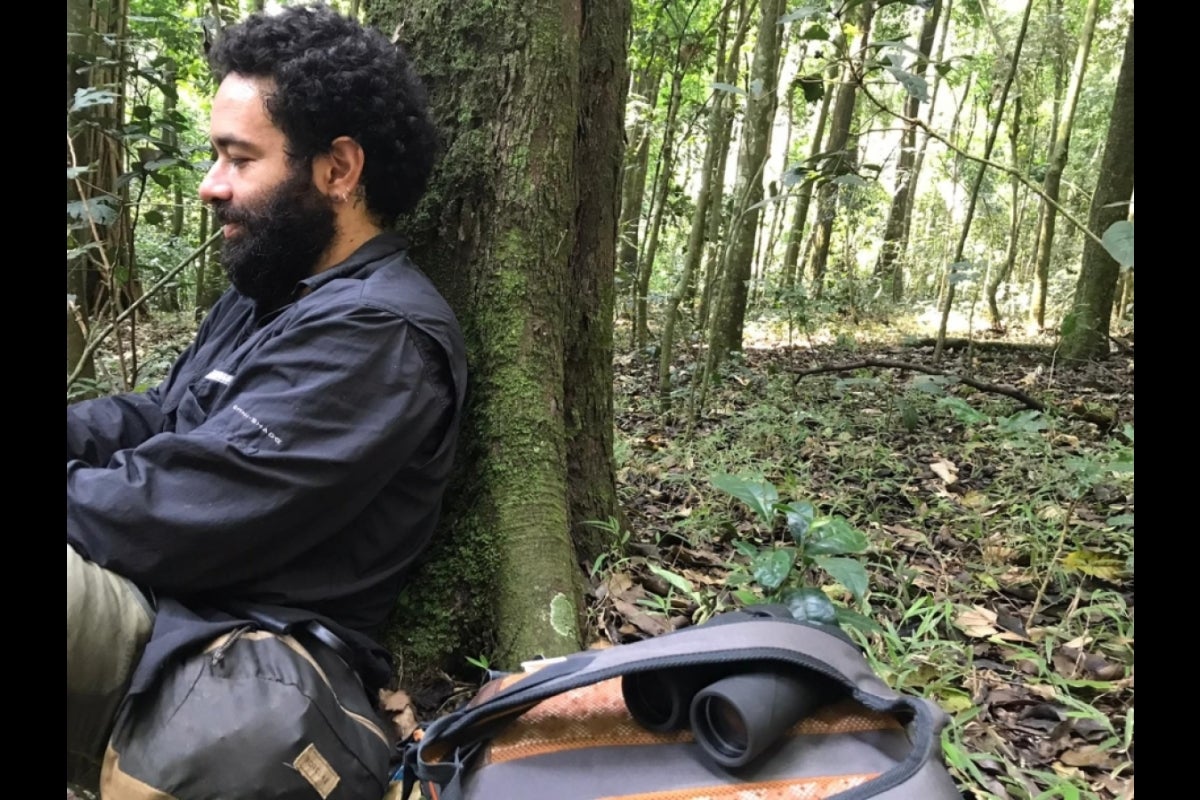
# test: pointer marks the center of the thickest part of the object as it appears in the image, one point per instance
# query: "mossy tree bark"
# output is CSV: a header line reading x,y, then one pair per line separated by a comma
x,y
1085,334
529,98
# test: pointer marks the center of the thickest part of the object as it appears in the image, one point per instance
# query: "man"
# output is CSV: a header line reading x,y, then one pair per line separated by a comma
x,y
292,464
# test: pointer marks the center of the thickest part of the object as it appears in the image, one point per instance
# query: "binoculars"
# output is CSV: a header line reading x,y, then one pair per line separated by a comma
x,y
735,712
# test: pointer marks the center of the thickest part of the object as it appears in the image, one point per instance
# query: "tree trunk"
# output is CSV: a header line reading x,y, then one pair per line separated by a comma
x,y
666,169
509,233
842,158
722,138
1085,331
998,276
952,269
726,328
695,245
792,251
588,380
634,183
100,220
889,268
1058,163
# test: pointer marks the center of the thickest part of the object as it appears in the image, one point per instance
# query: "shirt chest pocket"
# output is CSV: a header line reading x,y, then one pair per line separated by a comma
x,y
201,398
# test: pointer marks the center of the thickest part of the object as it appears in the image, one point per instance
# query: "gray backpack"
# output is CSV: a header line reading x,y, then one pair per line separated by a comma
x,y
750,704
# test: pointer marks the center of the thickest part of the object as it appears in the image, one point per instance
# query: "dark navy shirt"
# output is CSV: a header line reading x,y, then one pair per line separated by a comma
x,y
292,460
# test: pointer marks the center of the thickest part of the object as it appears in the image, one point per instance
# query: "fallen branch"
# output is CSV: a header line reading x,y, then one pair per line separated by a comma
x,y
1077,411
867,363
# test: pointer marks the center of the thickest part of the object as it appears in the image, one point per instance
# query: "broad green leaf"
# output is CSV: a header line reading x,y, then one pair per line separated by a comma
x,y
678,581
1027,421
816,33
141,112
154,217
834,536
87,97
847,572
760,495
799,518
932,384
772,567
810,605
915,85
850,179
727,87
1120,521
813,87
1118,241
803,12
98,209
962,410
849,618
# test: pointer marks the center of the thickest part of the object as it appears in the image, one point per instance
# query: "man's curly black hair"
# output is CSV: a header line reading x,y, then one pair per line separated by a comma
x,y
333,77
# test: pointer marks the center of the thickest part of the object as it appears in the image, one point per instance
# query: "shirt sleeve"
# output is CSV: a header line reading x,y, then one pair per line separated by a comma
x,y
96,429
293,448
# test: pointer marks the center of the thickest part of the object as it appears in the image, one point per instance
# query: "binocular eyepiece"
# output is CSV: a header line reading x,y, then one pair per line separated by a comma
x,y
734,715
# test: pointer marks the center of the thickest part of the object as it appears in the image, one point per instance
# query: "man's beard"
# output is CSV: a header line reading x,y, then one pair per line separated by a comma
x,y
279,240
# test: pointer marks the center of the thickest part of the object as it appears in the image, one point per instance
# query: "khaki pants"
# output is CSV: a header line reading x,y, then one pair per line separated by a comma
x,y
108,624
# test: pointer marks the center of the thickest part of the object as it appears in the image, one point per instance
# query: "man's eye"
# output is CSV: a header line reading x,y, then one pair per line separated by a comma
x,y
238,162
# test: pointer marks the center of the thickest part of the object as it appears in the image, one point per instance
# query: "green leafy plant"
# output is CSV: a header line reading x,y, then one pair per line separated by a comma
x,y
819,542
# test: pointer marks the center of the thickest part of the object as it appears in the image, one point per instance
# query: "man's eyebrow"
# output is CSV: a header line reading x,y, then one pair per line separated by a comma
x,y
226,142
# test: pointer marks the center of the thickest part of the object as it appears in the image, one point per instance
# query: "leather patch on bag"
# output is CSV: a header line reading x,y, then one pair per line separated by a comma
x,y
313,767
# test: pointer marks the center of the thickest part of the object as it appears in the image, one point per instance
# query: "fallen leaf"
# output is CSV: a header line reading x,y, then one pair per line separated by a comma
x,y
1098,565
399,708
651,626
1043,691
1090,756
946,470
978,622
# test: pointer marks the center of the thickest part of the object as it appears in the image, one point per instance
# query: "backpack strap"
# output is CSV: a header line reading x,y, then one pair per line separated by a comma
x,y
450,743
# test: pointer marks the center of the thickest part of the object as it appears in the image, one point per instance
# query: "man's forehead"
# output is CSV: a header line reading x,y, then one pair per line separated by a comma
x,y
239,109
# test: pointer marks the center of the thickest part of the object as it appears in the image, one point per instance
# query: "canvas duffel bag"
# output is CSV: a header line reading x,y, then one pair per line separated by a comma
x,y
750,704
258,714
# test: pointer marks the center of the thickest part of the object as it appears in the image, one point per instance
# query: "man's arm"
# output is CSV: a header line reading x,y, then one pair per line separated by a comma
x,y
300,440
96,429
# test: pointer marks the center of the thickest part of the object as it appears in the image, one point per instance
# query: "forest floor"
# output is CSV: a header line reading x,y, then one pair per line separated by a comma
x,y
993,540
998,546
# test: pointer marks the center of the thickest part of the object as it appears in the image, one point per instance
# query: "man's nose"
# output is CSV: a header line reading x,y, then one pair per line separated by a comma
x,y
214,186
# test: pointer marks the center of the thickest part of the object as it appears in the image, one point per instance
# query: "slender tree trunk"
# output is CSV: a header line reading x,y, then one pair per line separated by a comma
x,y
666,170
1085,330
889,267
722,140
1058,163
501,230
695,245
727,323
799,218
842,159
952,268
634,184
998,276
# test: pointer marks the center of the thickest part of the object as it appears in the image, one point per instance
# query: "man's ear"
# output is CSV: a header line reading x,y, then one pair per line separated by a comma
x,y
337,173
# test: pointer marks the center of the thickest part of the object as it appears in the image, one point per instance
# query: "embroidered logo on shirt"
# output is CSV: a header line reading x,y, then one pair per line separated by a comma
x,y
220,377
254,421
